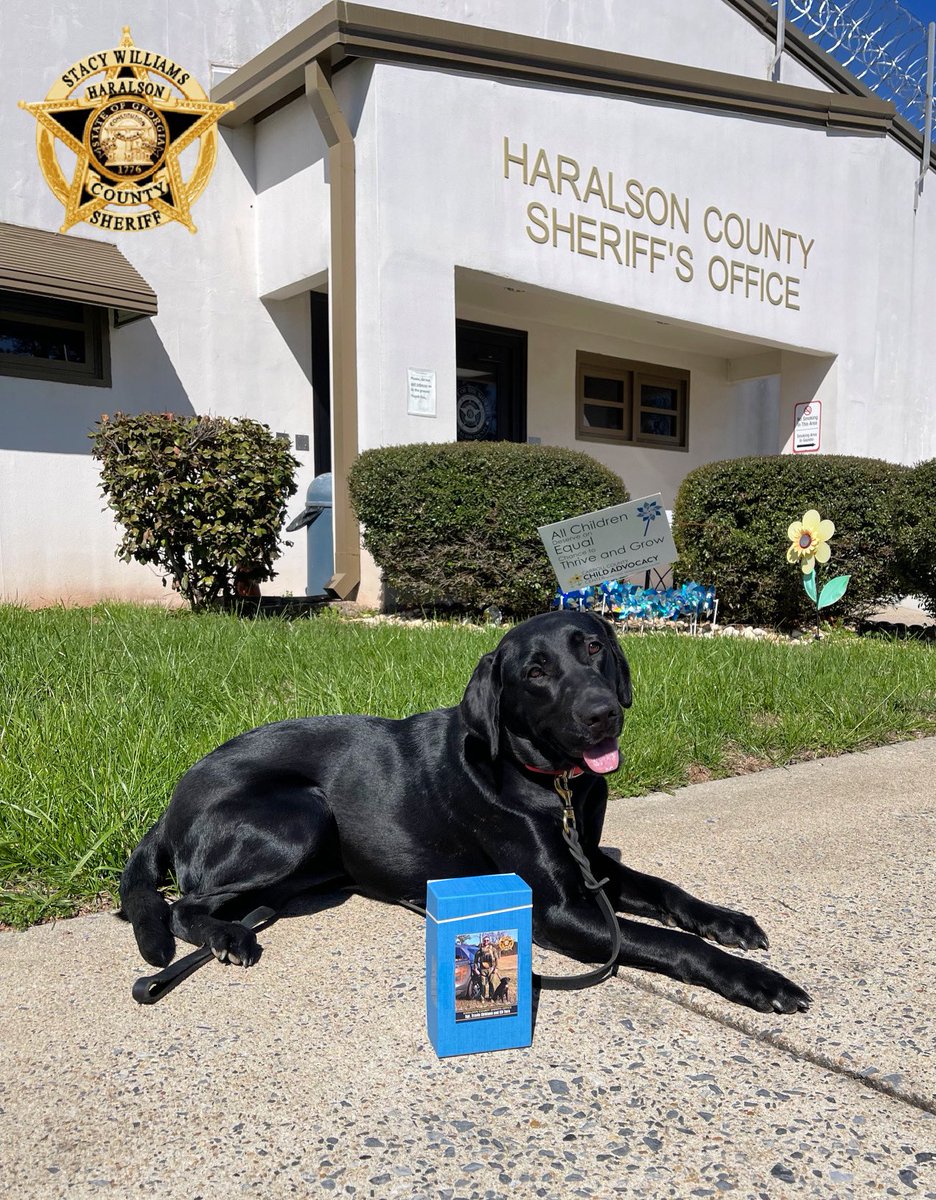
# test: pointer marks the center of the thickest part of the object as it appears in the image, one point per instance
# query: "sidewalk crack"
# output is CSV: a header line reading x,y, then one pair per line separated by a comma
x,y
776,1041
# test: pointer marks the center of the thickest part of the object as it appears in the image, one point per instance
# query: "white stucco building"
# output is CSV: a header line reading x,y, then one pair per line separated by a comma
x,y
598,224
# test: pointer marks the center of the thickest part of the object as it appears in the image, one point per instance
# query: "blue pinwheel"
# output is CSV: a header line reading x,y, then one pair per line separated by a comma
x,y
649,512
628,600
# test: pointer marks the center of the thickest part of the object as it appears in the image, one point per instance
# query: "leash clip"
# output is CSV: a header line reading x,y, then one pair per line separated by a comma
x,y
564,792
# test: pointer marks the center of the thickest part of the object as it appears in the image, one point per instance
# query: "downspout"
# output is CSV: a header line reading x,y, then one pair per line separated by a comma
x,y
342,303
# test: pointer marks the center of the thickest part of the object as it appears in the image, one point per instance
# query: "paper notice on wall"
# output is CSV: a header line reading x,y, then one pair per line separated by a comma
x,y
612,543
421,393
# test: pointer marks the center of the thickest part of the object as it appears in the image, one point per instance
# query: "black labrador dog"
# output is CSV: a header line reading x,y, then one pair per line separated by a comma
x,y
383,806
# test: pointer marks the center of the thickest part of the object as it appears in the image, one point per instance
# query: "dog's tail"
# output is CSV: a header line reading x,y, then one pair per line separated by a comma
x,y
140,902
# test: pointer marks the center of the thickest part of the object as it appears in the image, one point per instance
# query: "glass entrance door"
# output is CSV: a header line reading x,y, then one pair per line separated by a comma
x,y
491,383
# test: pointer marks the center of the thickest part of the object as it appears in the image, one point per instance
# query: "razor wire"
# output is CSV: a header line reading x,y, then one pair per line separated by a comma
x,y
878,41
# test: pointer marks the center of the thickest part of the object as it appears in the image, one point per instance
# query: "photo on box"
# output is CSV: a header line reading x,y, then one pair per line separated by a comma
x,y
486,974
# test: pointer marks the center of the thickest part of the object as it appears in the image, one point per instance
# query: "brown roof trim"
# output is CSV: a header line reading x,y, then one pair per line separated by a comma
x,y
343,30
71,268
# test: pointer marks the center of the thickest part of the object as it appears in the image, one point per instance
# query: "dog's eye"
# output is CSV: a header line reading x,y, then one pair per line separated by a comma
x,y
535,673
594,647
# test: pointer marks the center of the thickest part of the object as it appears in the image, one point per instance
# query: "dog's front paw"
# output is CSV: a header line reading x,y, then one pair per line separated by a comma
x,y
728,928
235,943
765,990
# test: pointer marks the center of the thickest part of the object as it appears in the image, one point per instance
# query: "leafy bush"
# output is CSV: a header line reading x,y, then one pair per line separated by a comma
x,y
917,537
730,526
454,524
200,497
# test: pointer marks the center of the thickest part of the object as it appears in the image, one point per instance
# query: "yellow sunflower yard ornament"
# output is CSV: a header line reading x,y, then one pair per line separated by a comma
x,y
809,541
809,544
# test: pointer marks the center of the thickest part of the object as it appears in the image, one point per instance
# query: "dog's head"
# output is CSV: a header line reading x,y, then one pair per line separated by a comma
x,y
551,693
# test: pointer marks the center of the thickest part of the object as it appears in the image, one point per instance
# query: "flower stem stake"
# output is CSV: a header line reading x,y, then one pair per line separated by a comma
x,y
809,544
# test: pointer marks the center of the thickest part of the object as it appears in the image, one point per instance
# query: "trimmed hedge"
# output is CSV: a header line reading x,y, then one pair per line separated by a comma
x,y
453,524
730,527
917,539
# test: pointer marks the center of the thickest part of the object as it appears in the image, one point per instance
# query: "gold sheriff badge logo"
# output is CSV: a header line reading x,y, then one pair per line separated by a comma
x,y
126,116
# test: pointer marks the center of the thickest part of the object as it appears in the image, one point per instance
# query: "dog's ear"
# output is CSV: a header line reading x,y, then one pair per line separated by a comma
x,y
480,706
622,671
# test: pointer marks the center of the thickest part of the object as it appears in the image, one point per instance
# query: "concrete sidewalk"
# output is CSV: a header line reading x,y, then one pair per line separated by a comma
x,y
311,1073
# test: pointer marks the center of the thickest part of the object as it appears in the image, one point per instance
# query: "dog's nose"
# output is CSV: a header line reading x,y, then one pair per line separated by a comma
x,y
600,717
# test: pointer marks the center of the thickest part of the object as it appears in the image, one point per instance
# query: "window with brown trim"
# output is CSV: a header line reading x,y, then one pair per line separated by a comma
x,y
634,403
43,337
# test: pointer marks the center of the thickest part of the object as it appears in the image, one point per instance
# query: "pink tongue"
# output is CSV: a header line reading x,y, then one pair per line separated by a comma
x,y
603,758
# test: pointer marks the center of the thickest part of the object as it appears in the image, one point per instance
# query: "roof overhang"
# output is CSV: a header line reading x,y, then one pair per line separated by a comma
x,y
341,32
72,268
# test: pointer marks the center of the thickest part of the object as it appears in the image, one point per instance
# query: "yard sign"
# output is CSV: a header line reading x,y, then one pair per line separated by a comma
x,y
612,543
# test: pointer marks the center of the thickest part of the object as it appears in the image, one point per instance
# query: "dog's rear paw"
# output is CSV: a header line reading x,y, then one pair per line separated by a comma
x,y
156,943
234,943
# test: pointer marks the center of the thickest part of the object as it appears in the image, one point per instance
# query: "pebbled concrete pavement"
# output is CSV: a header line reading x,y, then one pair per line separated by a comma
x,y
311,1074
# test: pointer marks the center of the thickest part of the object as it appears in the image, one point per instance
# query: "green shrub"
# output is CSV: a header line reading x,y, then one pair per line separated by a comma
x,y
454,524
917,540
730,526
199,497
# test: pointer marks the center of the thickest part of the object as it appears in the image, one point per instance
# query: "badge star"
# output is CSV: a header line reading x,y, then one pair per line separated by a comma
x,y
70,120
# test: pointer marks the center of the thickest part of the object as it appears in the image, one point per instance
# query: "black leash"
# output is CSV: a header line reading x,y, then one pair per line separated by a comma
x,y
150,988
568,983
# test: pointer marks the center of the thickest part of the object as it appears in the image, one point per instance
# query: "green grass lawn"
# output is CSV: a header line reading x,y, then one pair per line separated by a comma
x,y
101,710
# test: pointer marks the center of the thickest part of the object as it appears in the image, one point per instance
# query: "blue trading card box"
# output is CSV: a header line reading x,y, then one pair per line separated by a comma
x,y
479,946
